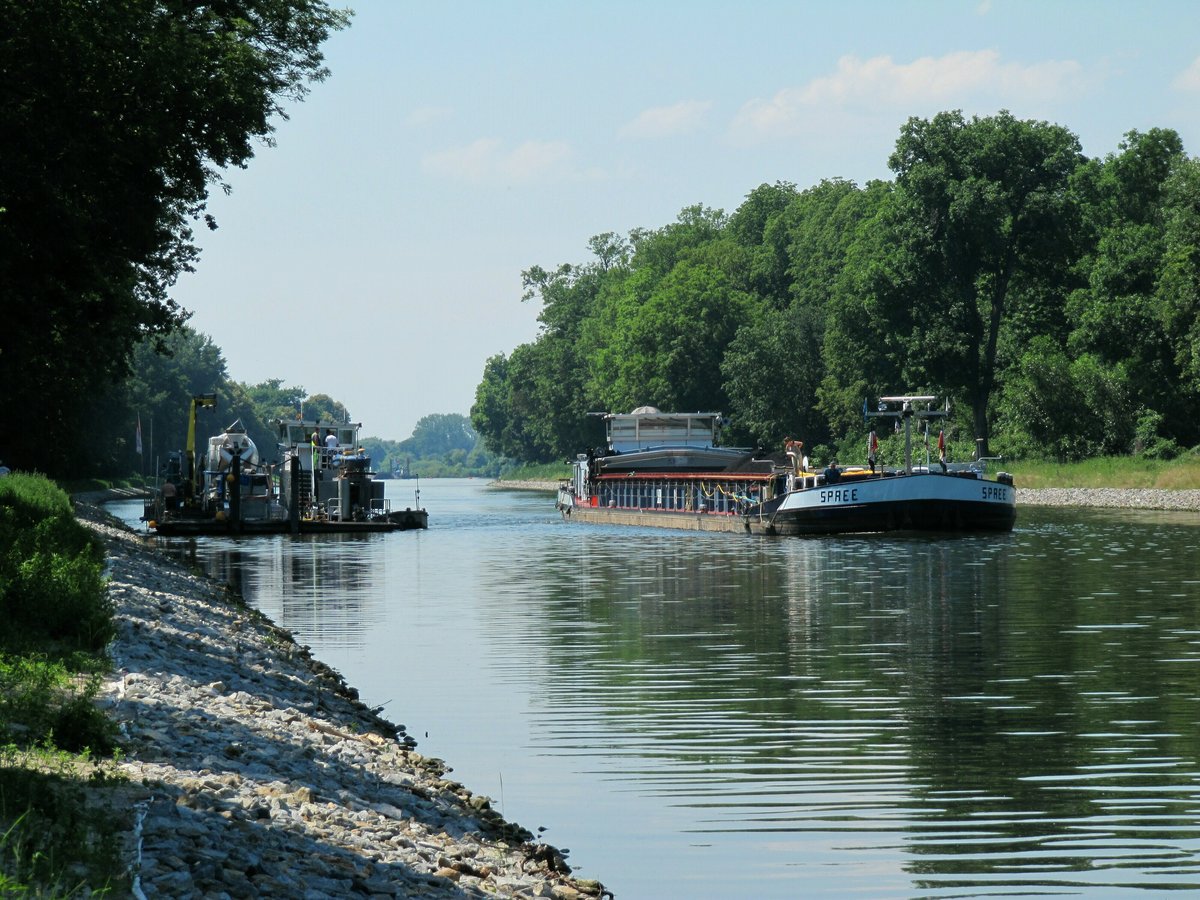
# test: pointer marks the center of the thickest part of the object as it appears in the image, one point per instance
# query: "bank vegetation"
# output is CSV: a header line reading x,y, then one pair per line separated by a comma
x,y
57,621
1052,298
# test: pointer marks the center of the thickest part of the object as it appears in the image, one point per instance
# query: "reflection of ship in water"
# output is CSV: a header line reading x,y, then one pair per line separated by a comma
x,y
331,583
791,667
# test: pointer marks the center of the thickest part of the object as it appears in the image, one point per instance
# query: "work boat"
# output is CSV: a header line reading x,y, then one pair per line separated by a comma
x,y
221,489
932,496
325,482
325,476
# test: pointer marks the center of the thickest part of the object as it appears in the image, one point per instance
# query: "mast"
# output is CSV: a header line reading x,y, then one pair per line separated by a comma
x,y
198,400
907,411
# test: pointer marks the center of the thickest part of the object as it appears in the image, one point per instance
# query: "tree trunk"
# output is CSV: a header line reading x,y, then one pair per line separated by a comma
x,y
987,366
980,411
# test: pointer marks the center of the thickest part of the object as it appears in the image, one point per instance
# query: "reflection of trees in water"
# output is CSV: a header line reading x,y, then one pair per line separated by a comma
x,y
1035,729
955,690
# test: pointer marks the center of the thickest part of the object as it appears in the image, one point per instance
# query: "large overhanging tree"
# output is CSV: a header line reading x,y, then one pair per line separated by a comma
x,y
116,118
983,224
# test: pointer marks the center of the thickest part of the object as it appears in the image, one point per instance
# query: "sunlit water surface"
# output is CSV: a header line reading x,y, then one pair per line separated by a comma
x,y
716,715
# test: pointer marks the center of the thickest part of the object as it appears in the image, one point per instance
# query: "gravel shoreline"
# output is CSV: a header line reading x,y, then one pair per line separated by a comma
x,y
549,487
1119,498
255,771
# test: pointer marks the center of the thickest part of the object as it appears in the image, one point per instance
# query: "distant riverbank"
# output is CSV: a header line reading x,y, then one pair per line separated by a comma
x,y
1111,498
548,487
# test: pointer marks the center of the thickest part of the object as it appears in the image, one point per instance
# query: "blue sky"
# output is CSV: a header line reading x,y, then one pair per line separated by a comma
x,y
375,253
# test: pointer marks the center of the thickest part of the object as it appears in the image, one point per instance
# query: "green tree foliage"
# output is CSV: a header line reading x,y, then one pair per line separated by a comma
x,y
491,413
440,433
673,339
273,399
166,374
772,371
820,229
1122,313
442,445
1178,287
1049,296
115,120
1065,408
983,224
755,226
533,403
324,408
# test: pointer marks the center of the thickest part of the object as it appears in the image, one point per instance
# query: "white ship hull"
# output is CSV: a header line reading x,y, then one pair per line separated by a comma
x,y
921,501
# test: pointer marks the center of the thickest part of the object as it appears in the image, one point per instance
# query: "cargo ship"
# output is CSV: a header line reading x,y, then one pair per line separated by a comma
x,y
669,470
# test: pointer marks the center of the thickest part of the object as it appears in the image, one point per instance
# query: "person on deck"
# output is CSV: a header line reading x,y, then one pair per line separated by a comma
x,y
795,452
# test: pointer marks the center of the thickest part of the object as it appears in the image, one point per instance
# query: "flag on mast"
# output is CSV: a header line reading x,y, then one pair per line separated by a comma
x,y
139,435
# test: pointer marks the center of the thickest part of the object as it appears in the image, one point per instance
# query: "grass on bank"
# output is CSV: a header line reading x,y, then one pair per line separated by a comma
x,y
55,621
1182,473
89,485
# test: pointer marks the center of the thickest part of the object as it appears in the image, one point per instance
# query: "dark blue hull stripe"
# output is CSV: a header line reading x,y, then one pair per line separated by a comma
x,y
900,515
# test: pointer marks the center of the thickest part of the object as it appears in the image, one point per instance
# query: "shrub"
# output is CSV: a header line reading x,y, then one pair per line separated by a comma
x,y
1148,441
41,702
54,610
53,842
51,570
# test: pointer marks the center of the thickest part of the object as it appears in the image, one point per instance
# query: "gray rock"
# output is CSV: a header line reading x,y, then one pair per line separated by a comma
x,y
267,776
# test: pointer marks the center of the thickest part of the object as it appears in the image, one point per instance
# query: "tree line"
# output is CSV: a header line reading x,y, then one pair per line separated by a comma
x,y
1054,299
154,401
116,120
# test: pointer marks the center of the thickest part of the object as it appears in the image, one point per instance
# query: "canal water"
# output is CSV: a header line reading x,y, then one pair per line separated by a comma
x,y
714,715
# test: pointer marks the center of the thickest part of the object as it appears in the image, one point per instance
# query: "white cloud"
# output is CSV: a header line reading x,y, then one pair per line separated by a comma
x,y
1189,78
490,160
666,121
429,115
535,159
881,85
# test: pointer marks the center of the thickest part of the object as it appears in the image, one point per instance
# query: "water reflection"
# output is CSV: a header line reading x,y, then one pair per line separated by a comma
x,y
331,585
741,716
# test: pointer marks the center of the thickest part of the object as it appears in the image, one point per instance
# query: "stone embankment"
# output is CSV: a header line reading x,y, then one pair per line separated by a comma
x,y
544,486
1122,498
254,770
